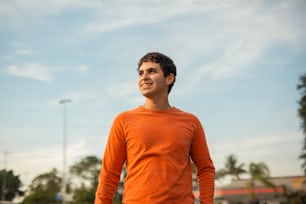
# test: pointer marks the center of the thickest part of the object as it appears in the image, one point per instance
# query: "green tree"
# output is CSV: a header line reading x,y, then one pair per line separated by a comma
x,y
258,172
302,113
44,188
232,168
86,174
11,184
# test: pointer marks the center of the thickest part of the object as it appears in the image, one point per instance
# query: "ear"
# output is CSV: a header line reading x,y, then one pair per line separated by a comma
x,y
170,79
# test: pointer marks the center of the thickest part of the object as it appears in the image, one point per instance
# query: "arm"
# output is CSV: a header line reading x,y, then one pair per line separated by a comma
x,y
114,157
205,167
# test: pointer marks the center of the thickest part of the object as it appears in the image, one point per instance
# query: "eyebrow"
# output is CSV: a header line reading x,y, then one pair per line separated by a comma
x,y
149,68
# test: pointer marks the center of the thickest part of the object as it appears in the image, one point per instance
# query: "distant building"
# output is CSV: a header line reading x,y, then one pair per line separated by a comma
x,y
290,187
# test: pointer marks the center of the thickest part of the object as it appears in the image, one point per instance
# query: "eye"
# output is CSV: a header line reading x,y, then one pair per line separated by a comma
x,y
140,72
152,70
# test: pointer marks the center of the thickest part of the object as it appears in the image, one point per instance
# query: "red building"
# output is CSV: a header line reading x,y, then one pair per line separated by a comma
x,y
286,188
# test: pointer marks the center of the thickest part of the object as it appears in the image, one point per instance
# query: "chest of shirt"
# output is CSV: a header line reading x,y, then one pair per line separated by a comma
x,y
159,134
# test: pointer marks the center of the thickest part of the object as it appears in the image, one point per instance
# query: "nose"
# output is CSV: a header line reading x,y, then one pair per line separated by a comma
x,y
144,76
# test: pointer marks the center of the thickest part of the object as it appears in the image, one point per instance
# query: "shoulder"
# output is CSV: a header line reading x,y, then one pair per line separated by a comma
x,y
189,118
186,114
127,114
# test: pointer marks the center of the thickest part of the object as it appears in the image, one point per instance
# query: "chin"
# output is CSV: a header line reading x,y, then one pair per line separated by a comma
x,y
146,93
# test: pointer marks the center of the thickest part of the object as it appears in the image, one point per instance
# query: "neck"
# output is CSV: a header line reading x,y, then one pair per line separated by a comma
x,y
157,105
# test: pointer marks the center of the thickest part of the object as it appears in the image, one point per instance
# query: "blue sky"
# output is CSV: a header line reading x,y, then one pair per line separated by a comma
x,y
238,67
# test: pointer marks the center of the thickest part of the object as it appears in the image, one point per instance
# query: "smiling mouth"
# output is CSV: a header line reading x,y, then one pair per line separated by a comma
x,y
146,85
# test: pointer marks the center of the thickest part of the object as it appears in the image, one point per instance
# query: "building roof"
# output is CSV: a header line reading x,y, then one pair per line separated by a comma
x,y
239,187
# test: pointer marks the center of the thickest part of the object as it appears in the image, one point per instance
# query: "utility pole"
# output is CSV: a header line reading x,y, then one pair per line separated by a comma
x,y
64,102
4,176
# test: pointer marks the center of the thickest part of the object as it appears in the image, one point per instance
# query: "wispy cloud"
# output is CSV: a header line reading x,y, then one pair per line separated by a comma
x,y
82,95
30,70
237,40
260,148
139,13
20,52
40,72
33,8
46,158
24,52
81,98
126,91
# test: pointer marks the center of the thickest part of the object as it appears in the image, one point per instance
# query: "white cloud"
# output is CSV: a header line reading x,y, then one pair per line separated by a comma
x,y
82,96
139,13
125,88
17,53
238,34
74,96
271,149
40,72
85,100
36,7
126,91
42,159
7,58
79,68
24,52
30,70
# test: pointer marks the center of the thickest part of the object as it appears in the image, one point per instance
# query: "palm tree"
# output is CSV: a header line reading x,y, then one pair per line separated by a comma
x,y
302,113
261,173
303,157
232,168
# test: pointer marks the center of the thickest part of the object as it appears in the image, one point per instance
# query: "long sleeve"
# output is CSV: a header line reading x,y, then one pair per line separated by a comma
x,y
113,160
157,147
205,167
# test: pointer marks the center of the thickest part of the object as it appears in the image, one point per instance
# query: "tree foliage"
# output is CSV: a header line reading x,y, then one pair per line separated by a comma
x,y
86,174
258,172
302,102
11,184
83,181
84,195
232,168
44,188
302,113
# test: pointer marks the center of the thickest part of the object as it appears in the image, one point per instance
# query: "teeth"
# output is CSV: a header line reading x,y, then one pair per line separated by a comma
x,y
146,85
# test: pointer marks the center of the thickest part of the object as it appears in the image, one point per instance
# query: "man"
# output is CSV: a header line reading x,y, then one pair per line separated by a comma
x,y
157,142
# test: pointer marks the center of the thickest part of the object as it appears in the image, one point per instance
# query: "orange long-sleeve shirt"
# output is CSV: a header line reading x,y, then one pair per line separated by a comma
x,y
157,147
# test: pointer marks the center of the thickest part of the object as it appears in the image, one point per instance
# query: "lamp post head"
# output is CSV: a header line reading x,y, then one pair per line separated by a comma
x,y
65,101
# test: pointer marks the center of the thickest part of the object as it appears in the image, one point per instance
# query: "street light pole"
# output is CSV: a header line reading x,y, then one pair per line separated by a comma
x,y
64,102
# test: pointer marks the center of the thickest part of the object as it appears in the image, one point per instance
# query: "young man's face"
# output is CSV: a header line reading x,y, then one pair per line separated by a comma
x,y
151,80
